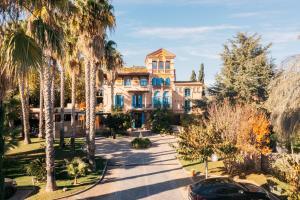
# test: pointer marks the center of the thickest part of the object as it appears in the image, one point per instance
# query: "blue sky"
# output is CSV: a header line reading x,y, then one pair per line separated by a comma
x,y
195,30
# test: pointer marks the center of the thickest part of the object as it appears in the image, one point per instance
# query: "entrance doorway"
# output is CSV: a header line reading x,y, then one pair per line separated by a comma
x,y
138,119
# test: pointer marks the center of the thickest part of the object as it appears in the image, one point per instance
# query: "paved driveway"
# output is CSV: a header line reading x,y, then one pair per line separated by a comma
x,y
140,174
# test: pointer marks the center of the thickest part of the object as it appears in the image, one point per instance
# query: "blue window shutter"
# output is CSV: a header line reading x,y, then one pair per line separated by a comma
x,y
161,81
116,102
122,101
143,118
140,100
153,81
168,81
132,100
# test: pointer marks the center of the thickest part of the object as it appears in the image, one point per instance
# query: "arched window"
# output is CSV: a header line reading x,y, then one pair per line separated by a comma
x,y
166,99
167,81
156,99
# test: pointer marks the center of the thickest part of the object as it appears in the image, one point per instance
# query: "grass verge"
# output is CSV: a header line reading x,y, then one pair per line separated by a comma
x,y
17,158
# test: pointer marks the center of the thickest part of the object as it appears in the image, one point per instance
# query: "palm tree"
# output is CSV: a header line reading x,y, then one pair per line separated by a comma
x,y
114,61
19,53
74,67
62,107
46,31
24,96
95,16
49,36
41,114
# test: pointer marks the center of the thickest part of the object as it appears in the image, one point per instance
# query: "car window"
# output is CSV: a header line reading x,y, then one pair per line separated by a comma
x,y
227,189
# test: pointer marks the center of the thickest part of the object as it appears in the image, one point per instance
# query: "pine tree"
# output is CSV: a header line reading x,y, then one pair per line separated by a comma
x,y
193,76
201,73
247,70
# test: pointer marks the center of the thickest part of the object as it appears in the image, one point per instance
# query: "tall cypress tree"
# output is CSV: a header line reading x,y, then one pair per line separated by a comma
x,y
193,76
201,73
247,70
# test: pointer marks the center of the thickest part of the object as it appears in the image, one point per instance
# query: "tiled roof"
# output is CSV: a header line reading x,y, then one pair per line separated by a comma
x,y
133,70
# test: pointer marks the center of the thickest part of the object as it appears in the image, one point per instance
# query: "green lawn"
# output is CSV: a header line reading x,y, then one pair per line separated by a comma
x,y
217,168
17,158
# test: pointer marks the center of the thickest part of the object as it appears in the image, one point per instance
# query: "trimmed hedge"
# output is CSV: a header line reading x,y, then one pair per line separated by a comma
x,y
141,143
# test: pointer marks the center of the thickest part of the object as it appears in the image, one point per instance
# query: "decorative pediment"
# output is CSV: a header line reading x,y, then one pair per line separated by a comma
x,y
161,53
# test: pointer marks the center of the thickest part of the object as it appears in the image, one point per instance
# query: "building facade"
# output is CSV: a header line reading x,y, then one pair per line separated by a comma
x,y
139,90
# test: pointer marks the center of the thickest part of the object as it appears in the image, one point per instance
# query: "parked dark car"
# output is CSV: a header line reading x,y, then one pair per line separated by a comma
x,y
225,189
10,187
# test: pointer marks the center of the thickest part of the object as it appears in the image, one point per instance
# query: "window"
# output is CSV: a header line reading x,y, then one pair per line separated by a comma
x,y
154,65
67,117
156,99
187,92
143,82
161,65
137,101
166,99
167,81
154,82
168,64
119,101
99,93
187,105
157,81
127,81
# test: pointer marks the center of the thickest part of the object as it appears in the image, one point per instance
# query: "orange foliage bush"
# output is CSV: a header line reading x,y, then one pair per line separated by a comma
x,y
261,130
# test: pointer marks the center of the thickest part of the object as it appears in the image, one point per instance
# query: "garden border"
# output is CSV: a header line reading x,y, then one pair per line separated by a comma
x,y
89,187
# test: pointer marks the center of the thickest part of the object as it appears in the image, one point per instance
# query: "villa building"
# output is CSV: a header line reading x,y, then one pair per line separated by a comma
x,y
138,90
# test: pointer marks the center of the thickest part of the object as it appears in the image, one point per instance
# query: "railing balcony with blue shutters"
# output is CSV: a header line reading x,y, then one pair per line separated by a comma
x,y
137,101
158,82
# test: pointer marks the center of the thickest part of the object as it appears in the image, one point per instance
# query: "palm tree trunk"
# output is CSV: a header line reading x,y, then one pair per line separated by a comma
x,y
25,115
92,114
41,115
50,167
87,107
73,99
1,149
62,108
53,94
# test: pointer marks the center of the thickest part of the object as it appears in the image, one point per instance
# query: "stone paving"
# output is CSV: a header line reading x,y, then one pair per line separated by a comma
x,y
154,173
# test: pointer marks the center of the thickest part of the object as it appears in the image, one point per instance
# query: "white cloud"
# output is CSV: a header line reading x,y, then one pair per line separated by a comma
x,y
254,14
181,32
281,37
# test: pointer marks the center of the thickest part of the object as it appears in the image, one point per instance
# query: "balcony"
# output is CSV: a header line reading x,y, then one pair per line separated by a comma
x,y
162,106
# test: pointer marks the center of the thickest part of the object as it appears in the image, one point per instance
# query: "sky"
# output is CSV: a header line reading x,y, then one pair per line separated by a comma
x,y
196,30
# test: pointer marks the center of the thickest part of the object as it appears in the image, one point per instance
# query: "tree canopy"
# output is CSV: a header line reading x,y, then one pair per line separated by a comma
x,y
247,70
193,76
284,100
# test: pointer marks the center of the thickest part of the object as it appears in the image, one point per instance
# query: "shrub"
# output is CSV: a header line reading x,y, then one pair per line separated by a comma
x,y
289,167
118,122
37,169
76,168
141,143
161,121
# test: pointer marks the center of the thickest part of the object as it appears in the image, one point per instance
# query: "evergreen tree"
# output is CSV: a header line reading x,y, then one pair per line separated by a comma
x,y
201,73
193,76
247,70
